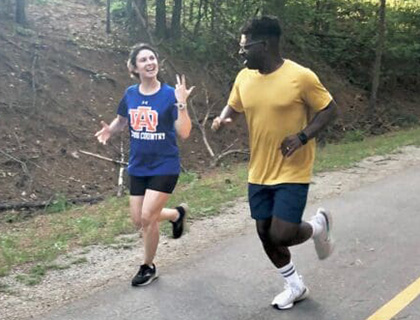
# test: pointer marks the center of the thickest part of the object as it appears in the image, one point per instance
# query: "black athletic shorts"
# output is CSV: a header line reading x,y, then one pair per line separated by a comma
x,y
166,184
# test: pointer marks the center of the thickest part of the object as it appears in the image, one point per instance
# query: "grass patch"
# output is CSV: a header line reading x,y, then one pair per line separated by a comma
x,y
338,156
40,240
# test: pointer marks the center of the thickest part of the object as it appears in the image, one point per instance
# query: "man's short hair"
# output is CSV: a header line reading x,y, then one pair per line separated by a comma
x,y
264,27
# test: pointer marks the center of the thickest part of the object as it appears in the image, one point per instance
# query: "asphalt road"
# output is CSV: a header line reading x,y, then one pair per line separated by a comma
x,y
377,231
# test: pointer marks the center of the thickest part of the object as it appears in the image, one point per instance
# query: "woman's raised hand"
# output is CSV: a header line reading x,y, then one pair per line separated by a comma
x,y
181,91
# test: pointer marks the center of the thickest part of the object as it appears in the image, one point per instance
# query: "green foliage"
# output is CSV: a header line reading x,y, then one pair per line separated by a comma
x,y
187,177
118,9
403,120
353,136
45,2
59,204
341,32
25,32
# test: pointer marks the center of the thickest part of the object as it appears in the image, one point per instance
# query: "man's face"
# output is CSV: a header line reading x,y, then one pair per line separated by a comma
x,y
251,51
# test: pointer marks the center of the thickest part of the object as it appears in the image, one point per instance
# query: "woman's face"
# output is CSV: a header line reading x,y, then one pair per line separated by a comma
x,y
146,64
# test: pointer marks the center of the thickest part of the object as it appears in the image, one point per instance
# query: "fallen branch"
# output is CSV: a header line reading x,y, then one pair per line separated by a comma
x,y
45,204
33,80
13,43
216,161
103,158
121,172
94,74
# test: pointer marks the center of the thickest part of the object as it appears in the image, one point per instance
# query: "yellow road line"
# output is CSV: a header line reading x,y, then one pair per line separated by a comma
x,y
399,302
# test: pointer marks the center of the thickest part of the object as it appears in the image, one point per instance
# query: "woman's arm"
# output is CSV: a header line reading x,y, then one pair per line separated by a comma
x,y
117,125
183,123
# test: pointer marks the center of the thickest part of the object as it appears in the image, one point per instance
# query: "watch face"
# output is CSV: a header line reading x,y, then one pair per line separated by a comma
x,y
303,138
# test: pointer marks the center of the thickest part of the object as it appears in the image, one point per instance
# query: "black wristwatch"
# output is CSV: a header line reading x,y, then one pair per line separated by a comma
x,y
303,137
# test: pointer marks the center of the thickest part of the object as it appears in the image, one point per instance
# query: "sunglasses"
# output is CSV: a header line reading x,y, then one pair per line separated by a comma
x,y
246,47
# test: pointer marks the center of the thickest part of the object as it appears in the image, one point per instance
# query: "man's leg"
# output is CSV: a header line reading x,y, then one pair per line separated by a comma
x,y
287,229
281,235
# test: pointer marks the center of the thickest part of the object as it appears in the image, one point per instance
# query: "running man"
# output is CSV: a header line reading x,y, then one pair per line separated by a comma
x,y
285,106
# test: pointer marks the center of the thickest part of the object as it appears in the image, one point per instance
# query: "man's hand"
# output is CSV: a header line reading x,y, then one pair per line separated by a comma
x,y
218,122
289,145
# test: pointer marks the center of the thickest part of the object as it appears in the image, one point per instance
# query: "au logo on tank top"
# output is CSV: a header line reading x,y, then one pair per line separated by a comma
x,y
144,118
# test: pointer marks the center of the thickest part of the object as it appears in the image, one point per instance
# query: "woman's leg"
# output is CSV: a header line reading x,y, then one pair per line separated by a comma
x,y
136,204
153,204
169,214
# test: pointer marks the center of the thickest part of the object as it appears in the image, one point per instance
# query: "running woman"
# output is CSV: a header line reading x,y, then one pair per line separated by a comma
x,y
155,114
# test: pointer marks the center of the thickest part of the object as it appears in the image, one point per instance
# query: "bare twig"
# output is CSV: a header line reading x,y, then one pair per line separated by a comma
x,y
103,158
22,164
34,62
230,146
18,140
201,127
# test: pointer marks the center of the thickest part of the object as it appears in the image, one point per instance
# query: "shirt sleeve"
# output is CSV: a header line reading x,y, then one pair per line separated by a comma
x,y
122,108
234,100
314,93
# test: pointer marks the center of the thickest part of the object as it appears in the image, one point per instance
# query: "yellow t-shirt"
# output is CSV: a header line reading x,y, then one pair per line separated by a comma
x,y
277,105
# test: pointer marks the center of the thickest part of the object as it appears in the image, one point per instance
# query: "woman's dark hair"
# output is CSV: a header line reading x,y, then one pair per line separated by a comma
x,y
265,27
131,63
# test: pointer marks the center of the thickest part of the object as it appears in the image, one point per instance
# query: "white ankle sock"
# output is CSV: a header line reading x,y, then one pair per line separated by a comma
x,y
316,227
291,276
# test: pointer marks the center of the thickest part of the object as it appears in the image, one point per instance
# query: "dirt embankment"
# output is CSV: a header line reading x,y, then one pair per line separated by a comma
x,y
63,75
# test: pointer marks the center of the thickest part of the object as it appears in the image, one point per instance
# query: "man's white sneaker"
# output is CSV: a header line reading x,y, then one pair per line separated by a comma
x,y
324,244
287,298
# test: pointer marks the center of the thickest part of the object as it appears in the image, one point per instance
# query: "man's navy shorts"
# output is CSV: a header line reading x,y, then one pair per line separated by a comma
x,y
285,201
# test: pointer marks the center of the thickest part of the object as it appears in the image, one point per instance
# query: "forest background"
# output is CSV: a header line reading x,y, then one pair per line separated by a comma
x,y
62,70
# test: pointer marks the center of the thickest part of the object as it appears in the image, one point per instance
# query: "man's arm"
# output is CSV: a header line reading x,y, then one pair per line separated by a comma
x,y
318,123
227,115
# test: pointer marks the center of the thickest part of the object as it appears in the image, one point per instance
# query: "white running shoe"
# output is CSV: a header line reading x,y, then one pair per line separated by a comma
x,y
287,298
324,244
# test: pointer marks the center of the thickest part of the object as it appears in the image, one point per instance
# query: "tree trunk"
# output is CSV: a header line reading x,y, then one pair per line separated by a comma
x,y
161,30
142,5
6,8
20,12
139,24
376,72
198,22
176,19
108,16
191,12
